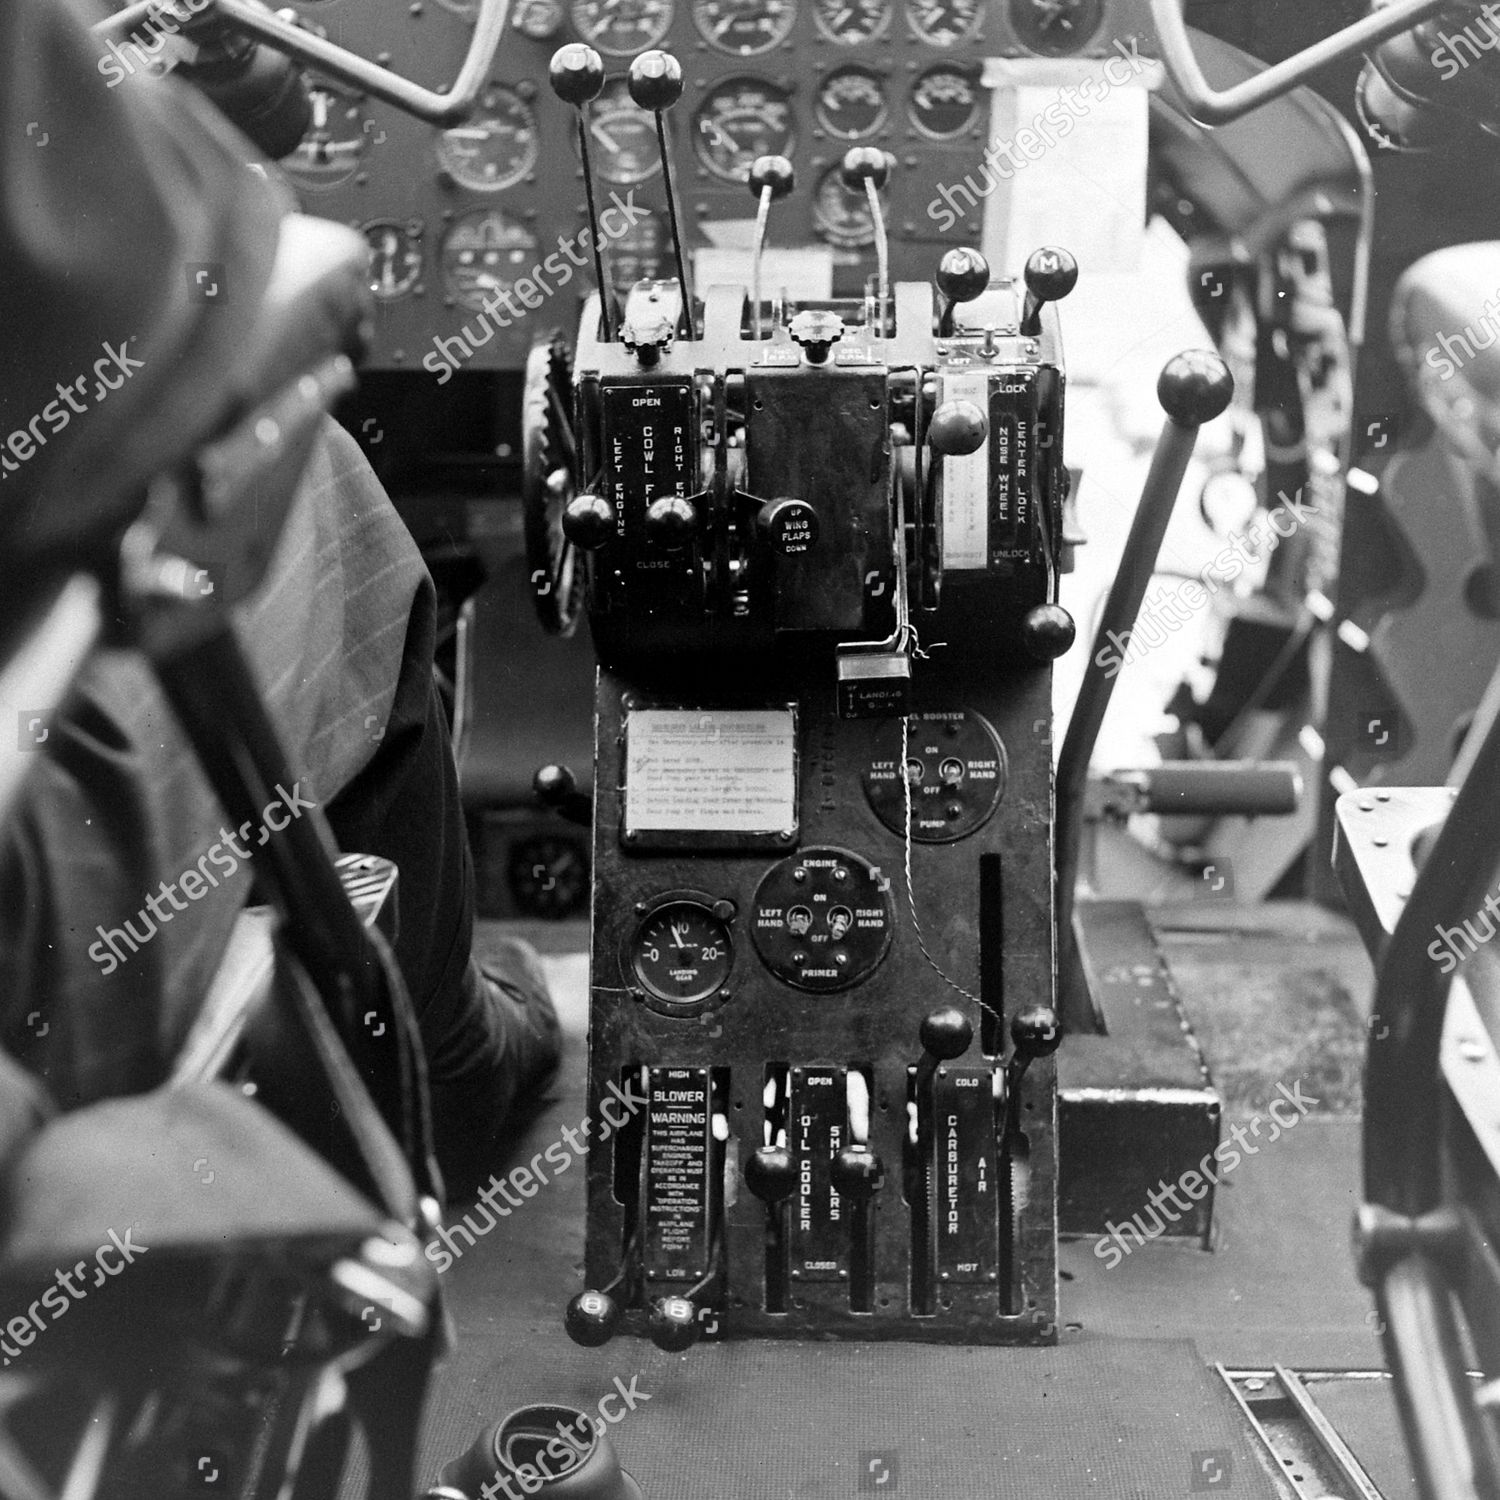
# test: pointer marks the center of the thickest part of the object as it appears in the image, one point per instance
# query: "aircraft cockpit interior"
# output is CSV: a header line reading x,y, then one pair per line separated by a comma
x,y
740,756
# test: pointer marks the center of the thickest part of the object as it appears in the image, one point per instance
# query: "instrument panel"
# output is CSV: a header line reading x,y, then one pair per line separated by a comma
x,y
494,207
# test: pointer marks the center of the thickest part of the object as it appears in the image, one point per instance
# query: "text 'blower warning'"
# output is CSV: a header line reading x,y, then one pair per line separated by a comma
x,y
720,771
677,1187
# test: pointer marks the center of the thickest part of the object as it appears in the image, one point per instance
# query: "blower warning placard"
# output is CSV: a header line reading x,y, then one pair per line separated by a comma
x,y
715,771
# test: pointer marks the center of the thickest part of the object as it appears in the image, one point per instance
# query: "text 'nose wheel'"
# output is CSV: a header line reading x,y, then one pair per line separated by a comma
x,y
549,481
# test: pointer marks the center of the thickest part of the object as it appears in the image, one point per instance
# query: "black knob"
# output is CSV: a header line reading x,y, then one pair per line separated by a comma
x,y
592,1318
774,172
553,783
1047,631
788,525
1195,387
946,1033
817,330
771,1174
1035,1031
1050,274
647,338
672,1324
962,274
855,1171
865,162
956,428
671,522
576,73
655,81
588,521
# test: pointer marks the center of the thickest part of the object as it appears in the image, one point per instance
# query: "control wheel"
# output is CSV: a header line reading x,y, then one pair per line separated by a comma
x,y
549,480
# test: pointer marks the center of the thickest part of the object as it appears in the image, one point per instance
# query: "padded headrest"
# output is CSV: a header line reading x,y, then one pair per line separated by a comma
x,y
1445,331
136,246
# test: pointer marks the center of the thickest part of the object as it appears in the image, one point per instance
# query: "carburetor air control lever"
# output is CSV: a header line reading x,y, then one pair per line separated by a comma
x,y
1050,275
962,275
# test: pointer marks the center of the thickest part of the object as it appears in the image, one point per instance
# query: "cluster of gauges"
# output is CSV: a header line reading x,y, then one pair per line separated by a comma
x,y
747,28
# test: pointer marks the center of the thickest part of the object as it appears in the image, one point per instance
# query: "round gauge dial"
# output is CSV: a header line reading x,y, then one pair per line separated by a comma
x,y
851,103
483,257
850,22
541,20
622,28
623,136
639,253
1055,27
944,102
744,28
549,876
739,120
682,952
395,259
495,149
331,151
841,215
943,23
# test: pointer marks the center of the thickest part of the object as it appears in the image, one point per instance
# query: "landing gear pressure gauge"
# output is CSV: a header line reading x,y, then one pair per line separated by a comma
x,y
823,919
682,951
954,765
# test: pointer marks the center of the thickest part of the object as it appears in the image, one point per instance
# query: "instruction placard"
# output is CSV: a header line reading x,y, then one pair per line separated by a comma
x,y
710,771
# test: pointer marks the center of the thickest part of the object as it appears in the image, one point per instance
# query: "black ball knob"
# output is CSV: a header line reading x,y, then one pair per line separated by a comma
x,y
855,1171
672,1324
588,521
774,172
1195,387
553,783
771,1174
671,521
1050,274
862,163
592,1318
655,81
962,274
1047,631
956,428
946,1033
576,73
789,526
1036,1031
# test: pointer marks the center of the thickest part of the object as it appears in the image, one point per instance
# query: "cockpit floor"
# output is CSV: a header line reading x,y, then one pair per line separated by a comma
x,y
1127,1406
